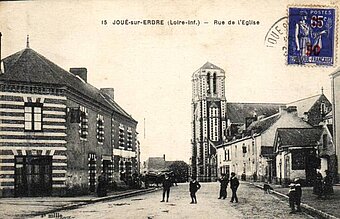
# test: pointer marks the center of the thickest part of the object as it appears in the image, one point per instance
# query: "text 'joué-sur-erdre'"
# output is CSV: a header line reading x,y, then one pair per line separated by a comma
x,y
177,22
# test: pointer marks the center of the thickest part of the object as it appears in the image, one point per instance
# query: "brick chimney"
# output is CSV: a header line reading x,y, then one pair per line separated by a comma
x,y
81,72
109,92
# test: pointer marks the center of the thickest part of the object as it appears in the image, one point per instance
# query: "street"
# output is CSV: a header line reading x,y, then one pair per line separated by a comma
x,y
253,203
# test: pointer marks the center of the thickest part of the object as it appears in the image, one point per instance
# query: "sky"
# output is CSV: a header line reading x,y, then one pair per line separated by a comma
x,y
150,67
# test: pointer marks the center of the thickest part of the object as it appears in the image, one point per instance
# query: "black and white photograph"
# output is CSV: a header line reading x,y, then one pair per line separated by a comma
x,y
169,109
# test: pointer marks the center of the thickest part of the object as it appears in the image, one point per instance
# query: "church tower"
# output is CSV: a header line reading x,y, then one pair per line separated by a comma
x,y
208,120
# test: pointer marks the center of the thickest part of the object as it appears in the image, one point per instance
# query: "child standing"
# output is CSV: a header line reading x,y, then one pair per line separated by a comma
x,y
193,187
292,197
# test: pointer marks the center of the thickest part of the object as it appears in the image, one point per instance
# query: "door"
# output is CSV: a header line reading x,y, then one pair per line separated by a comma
x,y
33,175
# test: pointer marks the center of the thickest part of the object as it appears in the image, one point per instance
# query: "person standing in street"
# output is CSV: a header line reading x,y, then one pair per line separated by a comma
x,y
328,184
194,186
292,197
298,192
223,186
166,187
318,186
234,183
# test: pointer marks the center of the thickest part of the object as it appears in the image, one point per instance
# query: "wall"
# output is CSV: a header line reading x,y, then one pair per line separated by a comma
x,y
15,140
336,115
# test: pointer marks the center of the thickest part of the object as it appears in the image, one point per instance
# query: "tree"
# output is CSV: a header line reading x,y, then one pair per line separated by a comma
x,y
180,170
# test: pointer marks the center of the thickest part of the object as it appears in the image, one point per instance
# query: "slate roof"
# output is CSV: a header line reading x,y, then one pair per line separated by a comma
x,y
209,65
28,66
267,151
237,112
305,104
263,124
299,136
156,164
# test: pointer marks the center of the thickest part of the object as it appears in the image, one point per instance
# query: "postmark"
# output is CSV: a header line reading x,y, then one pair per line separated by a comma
x,y
311,36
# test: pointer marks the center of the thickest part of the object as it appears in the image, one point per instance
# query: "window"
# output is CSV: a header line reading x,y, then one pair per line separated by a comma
x,y
235,150
100,129
33,116
121,136
214,83
253,147
324,141
208,82
323,108
244,149
129,137
83,125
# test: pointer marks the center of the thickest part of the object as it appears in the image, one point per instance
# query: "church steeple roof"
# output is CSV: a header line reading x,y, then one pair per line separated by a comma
x,y
209,65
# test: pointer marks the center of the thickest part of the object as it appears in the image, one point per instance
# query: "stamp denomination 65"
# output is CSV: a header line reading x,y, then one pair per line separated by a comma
x,y
311,36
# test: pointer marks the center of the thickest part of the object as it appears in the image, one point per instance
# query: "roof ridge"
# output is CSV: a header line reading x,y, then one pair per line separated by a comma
x,y
314,127
305,98
255,103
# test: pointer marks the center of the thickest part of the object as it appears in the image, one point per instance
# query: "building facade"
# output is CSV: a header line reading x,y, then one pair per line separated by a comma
x,y
335,83
208,120
59,133
251,156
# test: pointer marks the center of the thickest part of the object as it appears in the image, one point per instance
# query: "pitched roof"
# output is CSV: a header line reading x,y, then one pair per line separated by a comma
x,y
237,112
299,136
28,66
330,129
156,164
209,65
305,104
263,124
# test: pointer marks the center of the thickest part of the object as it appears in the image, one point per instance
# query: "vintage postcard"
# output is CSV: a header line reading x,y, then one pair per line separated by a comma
x,y
169,109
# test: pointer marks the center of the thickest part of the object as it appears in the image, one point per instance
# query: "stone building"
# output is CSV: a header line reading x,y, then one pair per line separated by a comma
x,y
335,83
251,155
208,120
296,154
58,132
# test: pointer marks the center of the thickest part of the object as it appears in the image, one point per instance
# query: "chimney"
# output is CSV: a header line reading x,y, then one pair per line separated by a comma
x,y
282,109
109,92
164,157
81,72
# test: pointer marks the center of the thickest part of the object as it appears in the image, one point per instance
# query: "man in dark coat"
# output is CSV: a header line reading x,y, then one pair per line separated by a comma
x,y
223,186
234,183
318,187
102,185
298,192
328,184
194,186
166,187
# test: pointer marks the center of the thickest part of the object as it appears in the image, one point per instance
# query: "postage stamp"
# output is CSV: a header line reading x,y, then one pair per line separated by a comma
x,y
311,36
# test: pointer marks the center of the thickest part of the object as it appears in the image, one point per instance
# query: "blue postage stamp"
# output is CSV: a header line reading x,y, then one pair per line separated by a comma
x,y
311,36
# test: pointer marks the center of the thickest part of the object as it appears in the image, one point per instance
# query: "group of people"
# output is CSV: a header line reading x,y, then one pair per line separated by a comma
x,y
323,187
234,184
194,186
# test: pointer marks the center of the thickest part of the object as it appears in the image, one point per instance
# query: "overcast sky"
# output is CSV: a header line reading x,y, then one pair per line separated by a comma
x,y
150,67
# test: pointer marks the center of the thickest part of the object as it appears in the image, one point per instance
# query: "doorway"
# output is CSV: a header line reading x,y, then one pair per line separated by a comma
x,y
33,175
